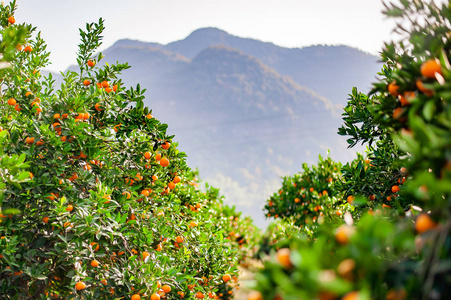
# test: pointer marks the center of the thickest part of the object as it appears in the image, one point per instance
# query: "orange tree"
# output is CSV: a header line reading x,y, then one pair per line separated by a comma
x,y
111,209
401,249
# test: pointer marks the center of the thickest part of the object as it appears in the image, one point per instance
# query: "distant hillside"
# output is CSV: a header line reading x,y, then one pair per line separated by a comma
x,y
247,112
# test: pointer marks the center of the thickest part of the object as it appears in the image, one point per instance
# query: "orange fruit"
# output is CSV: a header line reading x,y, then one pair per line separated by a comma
x,y
69,207
80,286
29,140
95,246
226,278
145,254
98,107
166,288
395,189
283,257
115,88
164,162
127,195
147,155
171,185
149,116
179,239
199,295
166,145
17,107
12,101
45,220
28,49
145,193
108,90
430,67
255,295
351,199
405,98
393,294
424,223
11,20
176,179
105,84
155,297
192,224
56,116
346,269
397,112
86,82
343,234
158,157
393,89
95,263
351,296
423,89
159,248
403,170
91,63
136,297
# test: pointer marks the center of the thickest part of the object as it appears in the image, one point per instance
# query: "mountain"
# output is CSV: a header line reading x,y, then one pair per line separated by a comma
x,y
247,112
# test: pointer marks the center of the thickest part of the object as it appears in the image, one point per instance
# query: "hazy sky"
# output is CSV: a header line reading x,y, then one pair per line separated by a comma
x,y
289,23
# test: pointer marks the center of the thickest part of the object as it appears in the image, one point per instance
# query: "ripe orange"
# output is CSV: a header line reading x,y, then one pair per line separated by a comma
x,y
136,297
91,63
351,199
393,89
155,297
149,116
147,155
28,49
45,220
343,234
395,189
166,288
115,88
423,89
158,157
95,263
351,296
397,112
430,67
171,185
166,145
145,193
95,246
226,278
12,101
17,107
179,239
29,140
176,179
108,90
105,84
192,224
69,207
406,98
86,82
255,295
11,20
346,269
98,107
164,162
199,295
424,223
145,254
80,285
283,257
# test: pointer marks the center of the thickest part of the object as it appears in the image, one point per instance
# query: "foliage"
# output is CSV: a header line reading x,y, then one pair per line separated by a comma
x,y
395,242
112,209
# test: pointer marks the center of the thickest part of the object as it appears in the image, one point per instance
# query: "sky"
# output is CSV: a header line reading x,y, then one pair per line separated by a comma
x,y
287,23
